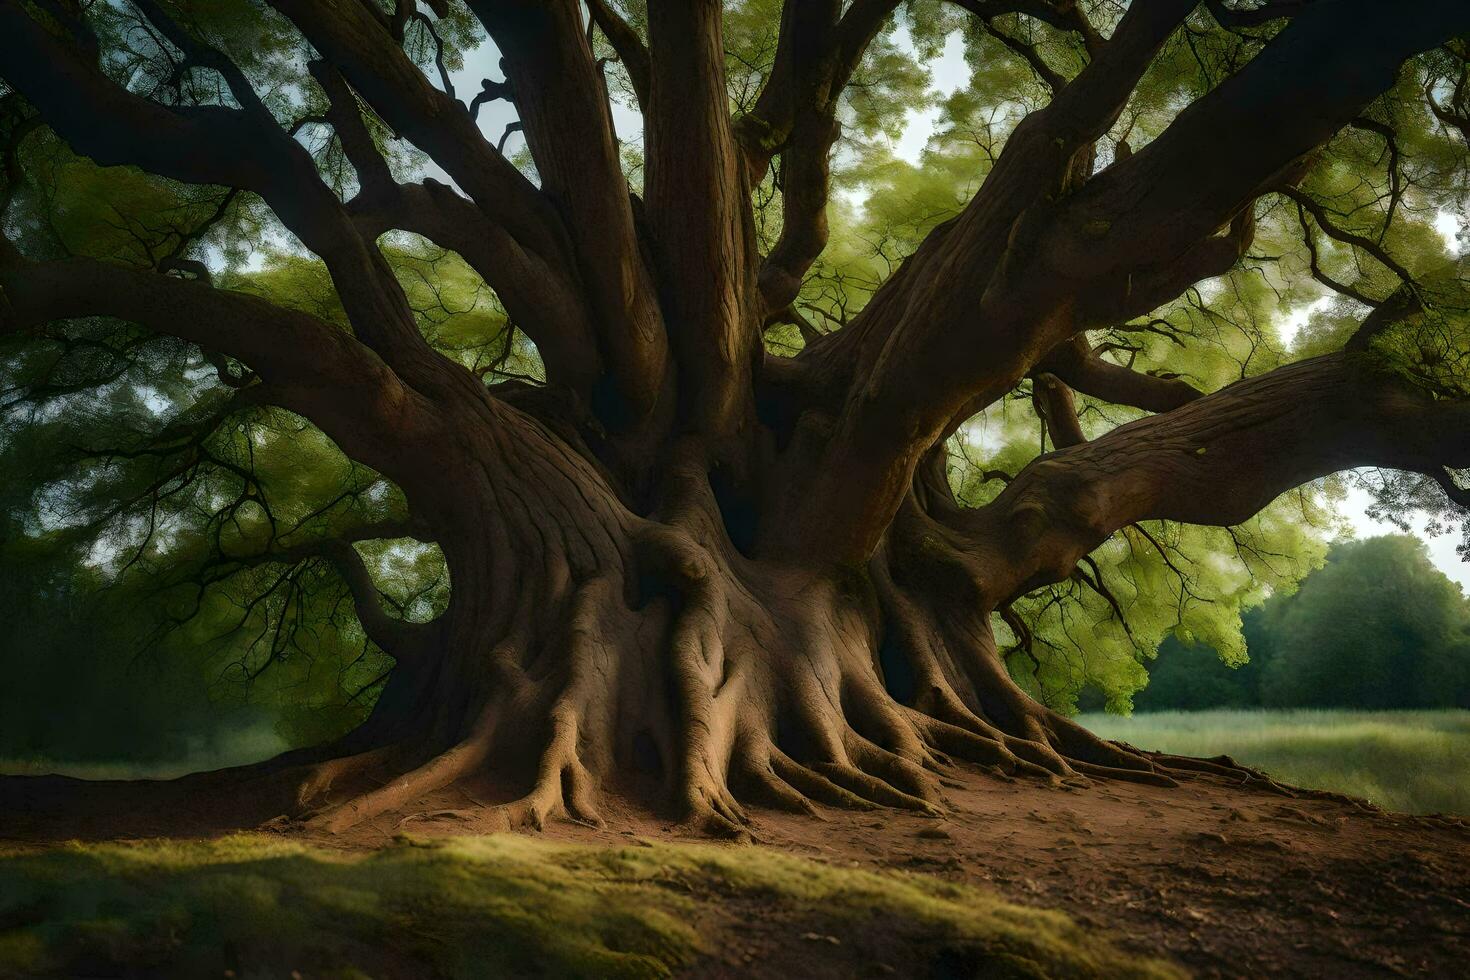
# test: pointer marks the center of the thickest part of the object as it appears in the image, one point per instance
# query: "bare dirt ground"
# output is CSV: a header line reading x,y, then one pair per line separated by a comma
x,y
1226,880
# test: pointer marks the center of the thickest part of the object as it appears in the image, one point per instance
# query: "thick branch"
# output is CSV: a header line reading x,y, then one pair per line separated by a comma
x,y
310,367
194,144
963,320
1216,461
1076,364
240,148
699,215
626,42
1029,273
559,92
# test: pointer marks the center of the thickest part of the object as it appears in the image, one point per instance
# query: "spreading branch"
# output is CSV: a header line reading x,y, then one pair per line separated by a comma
x,y
987,295
1079,366
343,386
1215,461
960,323
548,59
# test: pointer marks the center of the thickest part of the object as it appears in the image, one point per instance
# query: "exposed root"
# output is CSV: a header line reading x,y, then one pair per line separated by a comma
x,y
1146,777
815,785
435,774
319,778
764,785
1227,770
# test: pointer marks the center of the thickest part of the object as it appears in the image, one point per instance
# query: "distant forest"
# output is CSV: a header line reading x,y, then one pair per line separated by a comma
x,y
1378,627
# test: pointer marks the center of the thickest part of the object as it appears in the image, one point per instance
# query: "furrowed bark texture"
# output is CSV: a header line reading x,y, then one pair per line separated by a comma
x,y
685,568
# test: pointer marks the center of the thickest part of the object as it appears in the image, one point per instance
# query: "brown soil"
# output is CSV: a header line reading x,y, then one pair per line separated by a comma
x,y
1226,880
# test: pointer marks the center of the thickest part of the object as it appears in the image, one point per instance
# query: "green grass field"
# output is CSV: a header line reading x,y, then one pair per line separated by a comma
x,y
1410,761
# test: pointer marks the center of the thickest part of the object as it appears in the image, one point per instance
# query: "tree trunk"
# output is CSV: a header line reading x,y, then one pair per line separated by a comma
x,y
588,648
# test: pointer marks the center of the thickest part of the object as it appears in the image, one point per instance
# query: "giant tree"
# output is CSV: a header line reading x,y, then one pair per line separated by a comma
x,y
695,471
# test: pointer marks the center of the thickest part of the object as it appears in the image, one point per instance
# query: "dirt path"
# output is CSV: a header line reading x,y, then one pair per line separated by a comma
x,y
1227,881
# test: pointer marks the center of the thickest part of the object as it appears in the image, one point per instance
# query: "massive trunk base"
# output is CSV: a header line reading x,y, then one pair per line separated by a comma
x,y
700,682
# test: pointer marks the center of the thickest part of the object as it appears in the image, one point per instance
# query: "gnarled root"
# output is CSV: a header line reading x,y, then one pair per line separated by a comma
x,y
765,690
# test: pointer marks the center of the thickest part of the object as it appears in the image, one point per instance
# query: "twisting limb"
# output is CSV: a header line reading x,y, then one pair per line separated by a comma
x,y
539,296
489,92
1319,212
1076,364
512,127
345,387
1314,264
1053,79
817,52
417,16
348,36
1393,166
407,641
1317,417
632,53
568,128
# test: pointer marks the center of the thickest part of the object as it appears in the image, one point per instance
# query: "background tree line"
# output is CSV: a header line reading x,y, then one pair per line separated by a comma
x,y
1377,627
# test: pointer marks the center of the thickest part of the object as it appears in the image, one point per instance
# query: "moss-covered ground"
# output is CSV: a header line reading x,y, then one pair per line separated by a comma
x,y
510,905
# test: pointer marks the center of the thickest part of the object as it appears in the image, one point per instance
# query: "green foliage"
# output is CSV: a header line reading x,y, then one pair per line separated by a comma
x,y
1192,678
1410,761
1169,580
172,520
489,906
1379,627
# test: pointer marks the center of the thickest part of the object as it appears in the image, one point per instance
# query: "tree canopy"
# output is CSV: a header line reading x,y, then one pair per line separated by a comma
x,y
307,343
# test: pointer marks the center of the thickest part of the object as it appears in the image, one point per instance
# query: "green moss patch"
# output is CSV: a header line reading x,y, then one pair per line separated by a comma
x,y
509,905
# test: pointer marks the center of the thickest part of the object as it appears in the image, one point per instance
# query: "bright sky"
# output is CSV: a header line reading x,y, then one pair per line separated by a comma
x,y
949,72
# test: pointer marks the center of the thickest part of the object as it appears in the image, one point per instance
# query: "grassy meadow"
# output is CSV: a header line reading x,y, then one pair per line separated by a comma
x,y
1410,761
